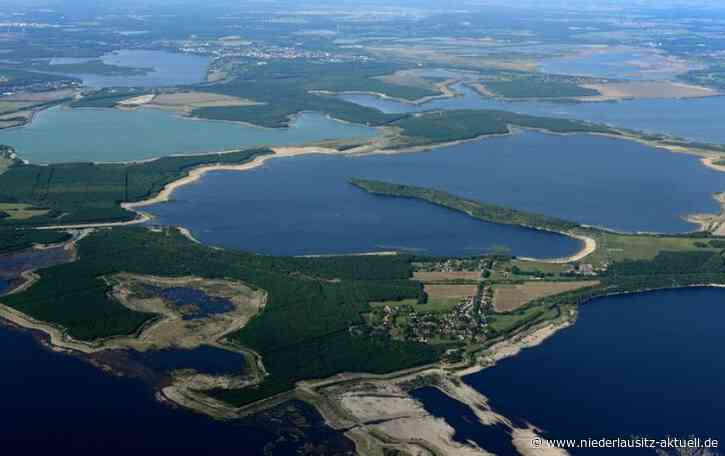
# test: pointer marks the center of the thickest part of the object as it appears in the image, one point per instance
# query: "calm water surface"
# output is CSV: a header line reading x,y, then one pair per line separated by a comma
x,y
65,135
697,119
646,365
52,401
304,205
169,69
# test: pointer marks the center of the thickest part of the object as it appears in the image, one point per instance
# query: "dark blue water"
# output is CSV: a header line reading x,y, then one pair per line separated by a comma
x,y
304,205
14,264
3,286
51,401
208,360
495,439
204,305
698,119
648,365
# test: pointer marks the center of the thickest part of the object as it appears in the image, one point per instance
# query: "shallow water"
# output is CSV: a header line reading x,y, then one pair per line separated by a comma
x,y
698,119
495,439
65,135
304,205
208,360
169,69
619,64
638,365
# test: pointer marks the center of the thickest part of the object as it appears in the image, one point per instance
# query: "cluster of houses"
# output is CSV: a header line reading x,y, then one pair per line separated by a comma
x,y
7,88
221,49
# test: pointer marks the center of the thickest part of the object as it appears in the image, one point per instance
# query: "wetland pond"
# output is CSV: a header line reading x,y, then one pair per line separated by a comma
x,y
304,205
194,303
59,135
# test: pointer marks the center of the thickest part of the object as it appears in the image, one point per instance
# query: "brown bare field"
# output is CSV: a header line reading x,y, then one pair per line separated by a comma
x,y
434,56
186,101
438,276
410,78
649,89
507,298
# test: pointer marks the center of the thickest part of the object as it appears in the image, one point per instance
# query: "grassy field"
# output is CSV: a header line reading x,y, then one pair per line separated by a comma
x,y
617,247
501,324
20,211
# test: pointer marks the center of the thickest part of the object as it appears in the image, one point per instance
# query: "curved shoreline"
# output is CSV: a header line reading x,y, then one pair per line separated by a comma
x,y
590,246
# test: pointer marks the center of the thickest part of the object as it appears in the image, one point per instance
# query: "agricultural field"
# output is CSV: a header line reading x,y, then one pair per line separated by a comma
x,y
507,298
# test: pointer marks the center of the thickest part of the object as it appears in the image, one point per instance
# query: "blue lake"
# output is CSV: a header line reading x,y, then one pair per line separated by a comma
x,y
202,305
3,286
304,205
65,135
697,119
169,69
56,401
641,365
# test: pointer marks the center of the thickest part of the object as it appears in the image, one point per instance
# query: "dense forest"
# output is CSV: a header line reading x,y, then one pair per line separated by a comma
x,y
88,192
304,331
486,212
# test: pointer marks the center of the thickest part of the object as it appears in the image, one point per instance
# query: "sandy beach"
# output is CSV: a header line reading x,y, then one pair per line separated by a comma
x,y
590,246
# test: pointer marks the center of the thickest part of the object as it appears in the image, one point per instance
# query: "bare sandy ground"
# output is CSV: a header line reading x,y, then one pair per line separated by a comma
x,y
711,163
529,443
137,101
384,409
443,87
168,330
714,223
647,89
185,102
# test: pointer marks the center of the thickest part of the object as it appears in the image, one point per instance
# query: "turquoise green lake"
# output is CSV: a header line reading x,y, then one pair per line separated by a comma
x,y
109,135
